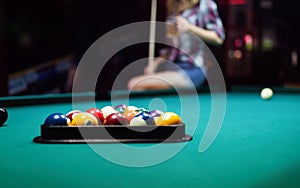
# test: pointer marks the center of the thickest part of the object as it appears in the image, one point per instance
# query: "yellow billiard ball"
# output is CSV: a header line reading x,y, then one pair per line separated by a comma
x,y
168,118
83,118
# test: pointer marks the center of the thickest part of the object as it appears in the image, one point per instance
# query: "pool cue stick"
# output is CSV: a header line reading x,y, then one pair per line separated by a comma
x,y
152,36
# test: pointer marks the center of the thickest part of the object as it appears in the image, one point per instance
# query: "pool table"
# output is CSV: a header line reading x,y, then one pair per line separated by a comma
x,y
258,145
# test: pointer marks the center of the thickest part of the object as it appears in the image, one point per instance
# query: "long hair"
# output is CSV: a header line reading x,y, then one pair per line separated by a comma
x,y
175,7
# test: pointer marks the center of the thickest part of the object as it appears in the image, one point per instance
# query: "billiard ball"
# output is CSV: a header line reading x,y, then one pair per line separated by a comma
x,y
116,119
131,108
168,118
3,116
137,121
155,113
129,114
83,118
56,119
107,110
71,114
121,108
147,117
97,113
142,110
266,93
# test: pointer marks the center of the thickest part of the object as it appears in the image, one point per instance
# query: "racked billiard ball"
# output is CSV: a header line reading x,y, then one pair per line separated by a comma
x,y
137,121
56,119
107,110
97,113
130,114
116,119
3,116
155,113
168,118
131,108
139,110
121,108
83,118
146,117
71,114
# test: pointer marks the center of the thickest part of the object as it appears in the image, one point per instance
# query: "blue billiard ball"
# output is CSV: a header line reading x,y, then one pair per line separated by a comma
x,y
56,119
147,117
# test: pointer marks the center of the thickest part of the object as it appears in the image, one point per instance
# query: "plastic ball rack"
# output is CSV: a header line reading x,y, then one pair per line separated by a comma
x,y
112,134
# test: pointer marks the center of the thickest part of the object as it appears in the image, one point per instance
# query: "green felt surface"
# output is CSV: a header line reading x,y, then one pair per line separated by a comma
x,y
258,146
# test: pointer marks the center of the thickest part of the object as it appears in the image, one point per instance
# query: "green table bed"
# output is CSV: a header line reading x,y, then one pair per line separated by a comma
x,y
258,145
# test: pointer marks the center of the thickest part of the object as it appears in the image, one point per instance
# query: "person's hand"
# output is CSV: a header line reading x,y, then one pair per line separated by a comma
x,y
182,24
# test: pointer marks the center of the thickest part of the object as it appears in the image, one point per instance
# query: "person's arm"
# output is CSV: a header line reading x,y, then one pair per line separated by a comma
x,y
212,31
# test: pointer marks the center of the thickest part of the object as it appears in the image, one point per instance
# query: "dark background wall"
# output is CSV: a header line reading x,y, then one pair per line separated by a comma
x,y
34,32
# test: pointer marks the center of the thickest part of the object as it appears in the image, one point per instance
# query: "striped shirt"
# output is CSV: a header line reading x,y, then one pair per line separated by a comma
x,y
204,15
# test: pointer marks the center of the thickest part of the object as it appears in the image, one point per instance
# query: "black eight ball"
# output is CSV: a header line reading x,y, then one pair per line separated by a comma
x,y
3,116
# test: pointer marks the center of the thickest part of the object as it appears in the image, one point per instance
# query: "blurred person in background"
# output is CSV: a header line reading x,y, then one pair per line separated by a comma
x,y
183,66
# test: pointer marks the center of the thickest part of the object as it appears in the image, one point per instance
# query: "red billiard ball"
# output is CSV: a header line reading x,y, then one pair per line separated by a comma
x,y
71,114
97,113
115,119
107,110
56,119
3,116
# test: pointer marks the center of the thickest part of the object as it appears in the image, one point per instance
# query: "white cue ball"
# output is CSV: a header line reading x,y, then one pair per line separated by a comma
x,y
266,93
